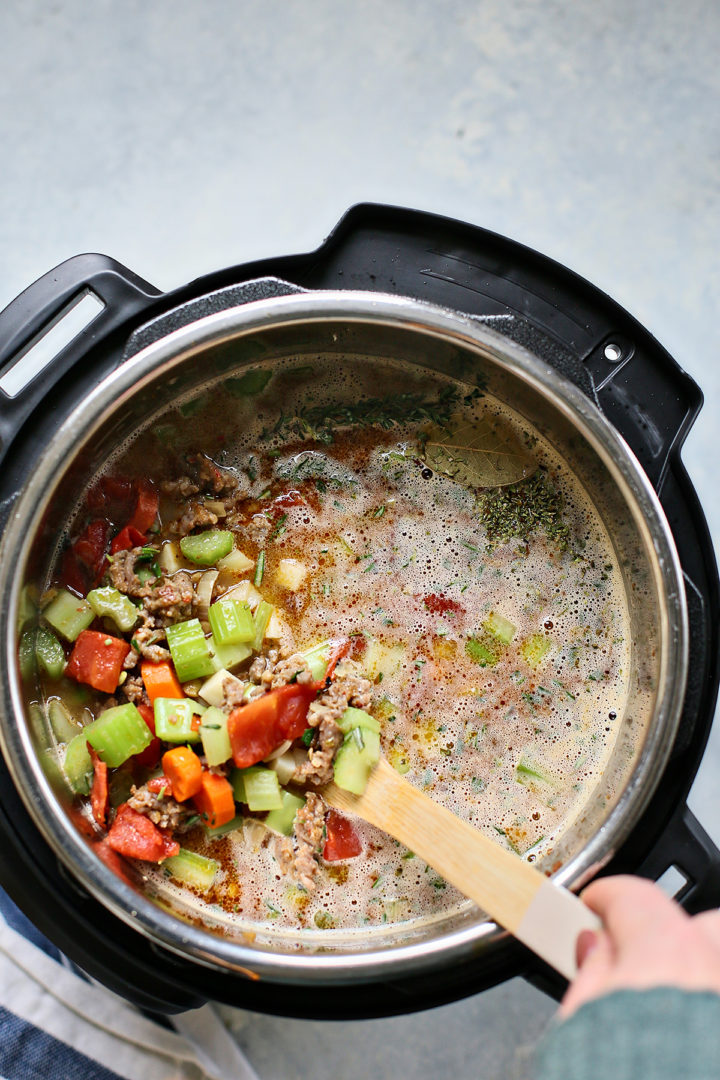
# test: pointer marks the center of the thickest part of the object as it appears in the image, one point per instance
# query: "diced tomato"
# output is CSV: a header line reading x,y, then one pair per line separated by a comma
x,y
150,756
113,497
439,604
99,794
258,728
127,538
358,646
342,840
97,660
340,650
160,785
215,800
146,507
134,835
84,561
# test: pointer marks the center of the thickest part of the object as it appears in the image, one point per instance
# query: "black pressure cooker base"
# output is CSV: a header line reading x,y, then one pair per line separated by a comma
x,y
566,322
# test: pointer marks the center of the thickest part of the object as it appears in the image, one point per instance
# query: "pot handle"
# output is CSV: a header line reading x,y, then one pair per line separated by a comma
x,y
686,847
62,314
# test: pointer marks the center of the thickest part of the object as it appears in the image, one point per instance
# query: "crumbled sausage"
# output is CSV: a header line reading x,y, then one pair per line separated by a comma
x,y
195,515
298,859
162,810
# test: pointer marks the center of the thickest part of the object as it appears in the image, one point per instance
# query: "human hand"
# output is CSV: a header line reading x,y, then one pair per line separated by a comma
x,y
647,940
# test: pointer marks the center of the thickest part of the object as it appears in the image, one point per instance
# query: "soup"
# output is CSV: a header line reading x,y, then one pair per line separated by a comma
x,y
421,558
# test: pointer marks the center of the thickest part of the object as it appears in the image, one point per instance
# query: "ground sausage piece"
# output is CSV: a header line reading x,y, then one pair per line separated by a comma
x,y
122,573
294,669
170,598
299,860
183,487
195,515
133,689
162,810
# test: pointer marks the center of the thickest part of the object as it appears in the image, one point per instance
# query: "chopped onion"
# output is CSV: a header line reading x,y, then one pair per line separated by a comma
x,y
203,596
279,751
253,834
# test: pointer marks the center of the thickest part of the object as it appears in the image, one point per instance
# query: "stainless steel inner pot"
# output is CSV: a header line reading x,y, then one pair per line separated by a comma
x,y
372,326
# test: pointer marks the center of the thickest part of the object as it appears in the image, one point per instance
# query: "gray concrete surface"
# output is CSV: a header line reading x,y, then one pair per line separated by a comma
x,y
184,136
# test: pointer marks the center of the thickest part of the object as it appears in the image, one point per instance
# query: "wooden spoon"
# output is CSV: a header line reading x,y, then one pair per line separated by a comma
x,y
544,916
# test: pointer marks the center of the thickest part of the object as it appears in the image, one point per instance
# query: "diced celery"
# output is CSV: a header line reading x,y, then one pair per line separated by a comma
x,y
231,622
112,604
238,785
189,650
261,618
214,735
65,726
206,548
481,651
223,830
317,659
282,820
78,765
192,869
174,719
259,570
68,614
355,759
353,718
261,788
228,656
40,646
236,562
49,652
500,627
27,609
534,649
117,734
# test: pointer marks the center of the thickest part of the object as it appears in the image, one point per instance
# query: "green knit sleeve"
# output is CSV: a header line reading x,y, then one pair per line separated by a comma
x,y
663,1034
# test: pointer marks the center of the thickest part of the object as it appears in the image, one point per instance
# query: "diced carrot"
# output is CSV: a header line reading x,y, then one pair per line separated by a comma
x,y
215,800
160,680
184,771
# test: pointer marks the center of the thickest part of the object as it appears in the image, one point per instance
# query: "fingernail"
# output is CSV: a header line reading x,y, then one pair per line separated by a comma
x,y
586,943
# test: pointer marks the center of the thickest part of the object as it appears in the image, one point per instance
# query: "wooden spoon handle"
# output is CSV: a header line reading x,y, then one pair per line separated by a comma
x,y
544,916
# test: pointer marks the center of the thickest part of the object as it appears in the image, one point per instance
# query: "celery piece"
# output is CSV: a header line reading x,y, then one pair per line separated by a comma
x,y
261,618
206,548
355,759
228,656
231,622
189,650
261,788
238,785
49,652
27,656
68,615
534,649
482,652
191,869
500,627
317,659
282,820
78,765
112,604
65,726
27,609
214,735
174,719
353,718
117,734
223,830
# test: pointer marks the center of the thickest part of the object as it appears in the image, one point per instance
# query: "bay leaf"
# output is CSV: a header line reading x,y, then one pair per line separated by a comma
x,y
484,454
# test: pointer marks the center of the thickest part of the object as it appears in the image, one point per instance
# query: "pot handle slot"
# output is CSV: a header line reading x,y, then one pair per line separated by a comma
x,y
52,324
685,846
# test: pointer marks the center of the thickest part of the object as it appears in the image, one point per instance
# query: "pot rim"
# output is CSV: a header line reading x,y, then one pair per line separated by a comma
x,y
232,324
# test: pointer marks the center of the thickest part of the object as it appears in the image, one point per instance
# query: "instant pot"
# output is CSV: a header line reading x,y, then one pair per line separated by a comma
x,y
385,275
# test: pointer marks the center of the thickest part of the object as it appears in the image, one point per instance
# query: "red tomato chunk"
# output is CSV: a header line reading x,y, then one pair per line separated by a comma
x,y
258,728
342,840
134,835
97,660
